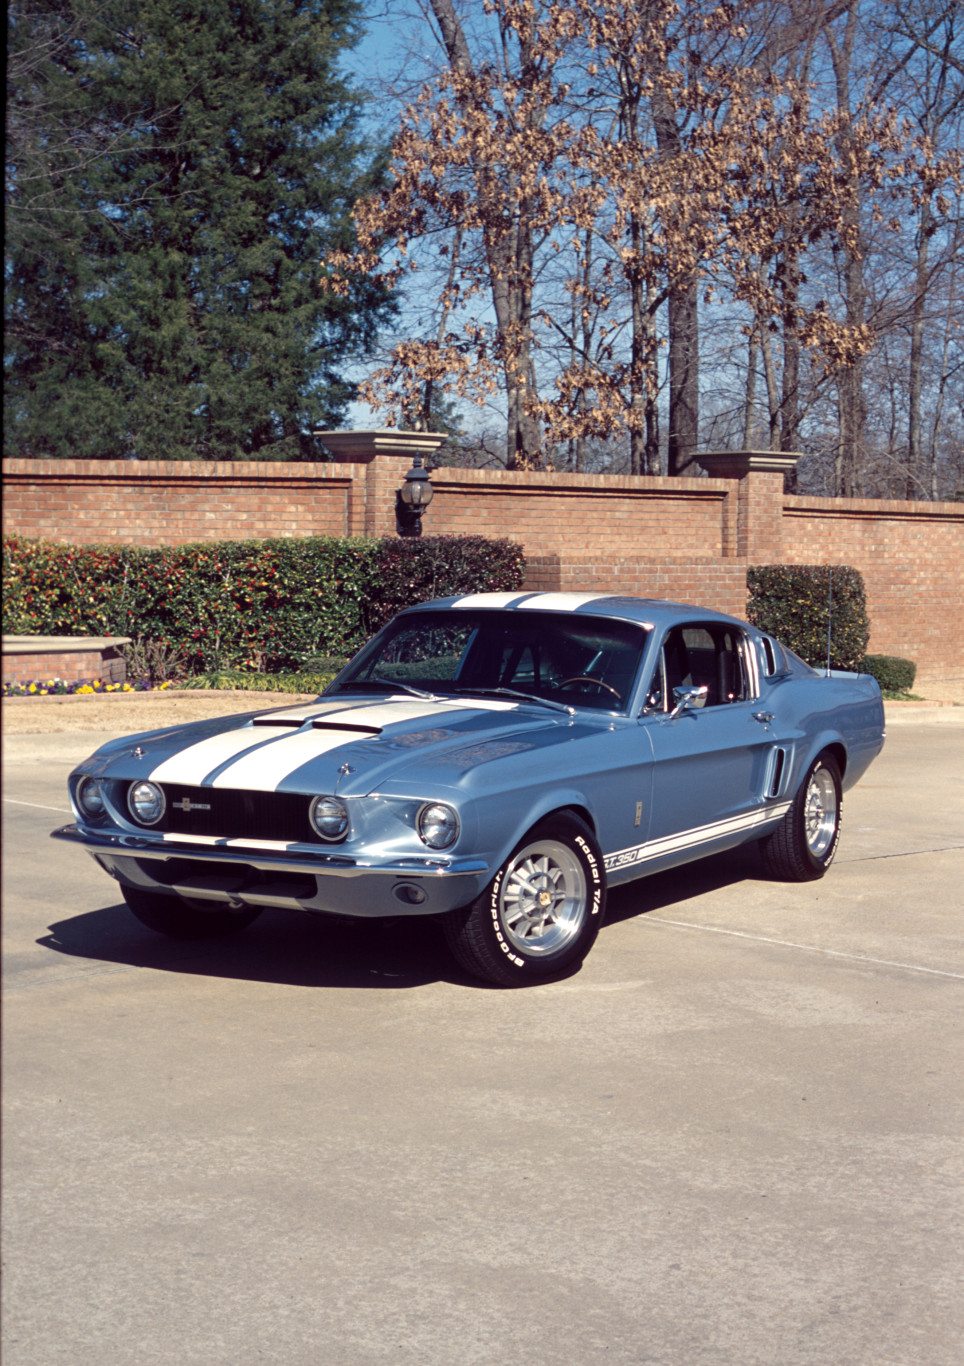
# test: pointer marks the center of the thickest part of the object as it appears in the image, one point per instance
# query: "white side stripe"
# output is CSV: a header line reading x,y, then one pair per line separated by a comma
x,y
688,839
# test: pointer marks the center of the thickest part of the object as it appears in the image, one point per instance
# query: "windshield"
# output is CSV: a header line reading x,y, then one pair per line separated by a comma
x,y
557,657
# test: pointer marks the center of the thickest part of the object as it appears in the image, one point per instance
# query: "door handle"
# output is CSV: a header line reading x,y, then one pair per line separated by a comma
x,y
764,717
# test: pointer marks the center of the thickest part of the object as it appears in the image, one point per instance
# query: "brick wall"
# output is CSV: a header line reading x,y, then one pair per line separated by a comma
x,y
911,556
711,582
156,502
689,539
588,516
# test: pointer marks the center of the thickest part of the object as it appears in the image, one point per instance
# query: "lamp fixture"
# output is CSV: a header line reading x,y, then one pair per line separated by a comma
x,y
412,499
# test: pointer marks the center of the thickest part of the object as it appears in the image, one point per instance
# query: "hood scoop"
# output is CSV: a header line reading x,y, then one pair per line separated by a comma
x,y
353,726
292,722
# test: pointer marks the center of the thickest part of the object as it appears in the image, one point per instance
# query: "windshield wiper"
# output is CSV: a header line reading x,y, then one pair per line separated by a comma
x,y
522,696
404,687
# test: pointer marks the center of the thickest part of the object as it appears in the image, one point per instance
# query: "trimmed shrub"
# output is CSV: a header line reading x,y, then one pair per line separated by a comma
x,y
236,680
791,602
891,672
258,606
419,569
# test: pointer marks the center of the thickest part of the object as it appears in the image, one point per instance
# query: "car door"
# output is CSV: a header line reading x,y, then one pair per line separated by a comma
x,y
709,762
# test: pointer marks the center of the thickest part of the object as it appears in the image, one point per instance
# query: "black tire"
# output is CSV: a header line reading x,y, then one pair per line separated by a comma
x,y
540,914
179,919
802,847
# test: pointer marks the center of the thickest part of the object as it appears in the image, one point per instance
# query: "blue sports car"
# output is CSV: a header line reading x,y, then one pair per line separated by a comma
x,y
496,760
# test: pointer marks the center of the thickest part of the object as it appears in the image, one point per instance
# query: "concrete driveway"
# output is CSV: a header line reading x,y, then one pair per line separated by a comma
x,y
732,1138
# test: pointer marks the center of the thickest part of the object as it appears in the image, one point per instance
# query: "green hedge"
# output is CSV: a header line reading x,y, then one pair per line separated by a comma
x,y
791,602
891,672
254,605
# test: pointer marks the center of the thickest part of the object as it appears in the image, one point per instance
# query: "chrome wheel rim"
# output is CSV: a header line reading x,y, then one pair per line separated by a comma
x,y
820,813
542,901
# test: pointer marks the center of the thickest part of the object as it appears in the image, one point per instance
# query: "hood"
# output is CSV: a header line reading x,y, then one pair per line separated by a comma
x,y
352,746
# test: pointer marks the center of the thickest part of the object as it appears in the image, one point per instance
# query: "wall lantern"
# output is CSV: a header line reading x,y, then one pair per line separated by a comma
x,y
413,498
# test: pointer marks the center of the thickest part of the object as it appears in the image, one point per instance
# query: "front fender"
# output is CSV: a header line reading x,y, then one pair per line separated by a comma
x,y
526,814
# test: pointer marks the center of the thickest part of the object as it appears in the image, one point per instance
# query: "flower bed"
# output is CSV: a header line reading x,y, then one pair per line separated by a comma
x,y
88,687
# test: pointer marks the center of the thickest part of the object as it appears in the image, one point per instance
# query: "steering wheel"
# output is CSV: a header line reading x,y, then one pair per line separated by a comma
x,y
595,682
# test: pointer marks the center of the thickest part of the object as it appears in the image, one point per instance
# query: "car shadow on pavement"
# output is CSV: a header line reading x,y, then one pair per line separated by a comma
x,y
660,890
292,948
288,948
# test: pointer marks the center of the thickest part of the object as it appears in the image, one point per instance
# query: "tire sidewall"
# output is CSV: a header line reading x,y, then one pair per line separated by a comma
x,y
568,830
829,765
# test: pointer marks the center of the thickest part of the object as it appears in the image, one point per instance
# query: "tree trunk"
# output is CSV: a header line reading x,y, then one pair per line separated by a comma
x,y
683,296
915,386
852,405
509,254
749,400
683,376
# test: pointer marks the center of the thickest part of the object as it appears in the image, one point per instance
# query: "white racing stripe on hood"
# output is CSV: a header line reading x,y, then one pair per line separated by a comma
x,y
193,763
264,756
265,769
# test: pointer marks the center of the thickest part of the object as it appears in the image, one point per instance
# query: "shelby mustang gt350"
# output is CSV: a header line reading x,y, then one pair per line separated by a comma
x,y
497,761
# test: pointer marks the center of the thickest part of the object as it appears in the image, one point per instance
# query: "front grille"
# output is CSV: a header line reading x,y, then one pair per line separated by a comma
x,y
237,815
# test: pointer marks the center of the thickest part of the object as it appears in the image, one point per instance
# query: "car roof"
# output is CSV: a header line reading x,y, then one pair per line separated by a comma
x,y
653,612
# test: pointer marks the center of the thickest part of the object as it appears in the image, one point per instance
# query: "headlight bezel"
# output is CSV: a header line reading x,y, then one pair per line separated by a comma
x,y
453,822
339,836
161,802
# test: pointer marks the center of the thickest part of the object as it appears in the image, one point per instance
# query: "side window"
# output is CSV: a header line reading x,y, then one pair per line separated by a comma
x,y
707,656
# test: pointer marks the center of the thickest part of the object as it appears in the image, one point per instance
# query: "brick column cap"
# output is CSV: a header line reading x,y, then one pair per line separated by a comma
x,y
738,464
362,446
50,645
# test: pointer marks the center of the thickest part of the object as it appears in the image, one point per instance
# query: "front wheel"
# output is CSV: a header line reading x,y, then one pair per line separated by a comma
x,y
802,846
179,919
540,914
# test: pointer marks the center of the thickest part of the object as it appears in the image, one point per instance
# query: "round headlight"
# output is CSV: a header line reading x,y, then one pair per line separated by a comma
x,y
145,801
329,817
437,825
90,799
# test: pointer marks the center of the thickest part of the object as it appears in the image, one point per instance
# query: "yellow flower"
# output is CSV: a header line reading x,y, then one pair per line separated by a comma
x,y
32,688
85,689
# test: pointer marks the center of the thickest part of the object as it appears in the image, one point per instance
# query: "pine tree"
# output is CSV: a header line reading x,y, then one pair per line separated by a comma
x,y
177,174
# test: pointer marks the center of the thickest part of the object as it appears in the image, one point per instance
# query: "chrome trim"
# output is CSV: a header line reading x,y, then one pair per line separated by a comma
x,y
321,864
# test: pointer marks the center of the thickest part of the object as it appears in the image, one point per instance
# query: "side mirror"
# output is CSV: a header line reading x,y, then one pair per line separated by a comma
x,y
689,699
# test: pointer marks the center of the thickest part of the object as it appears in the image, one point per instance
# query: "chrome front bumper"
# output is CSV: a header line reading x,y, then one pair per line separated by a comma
x,y
298,880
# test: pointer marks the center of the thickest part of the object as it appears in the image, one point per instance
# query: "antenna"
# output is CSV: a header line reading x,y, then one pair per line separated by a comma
x,y
829,612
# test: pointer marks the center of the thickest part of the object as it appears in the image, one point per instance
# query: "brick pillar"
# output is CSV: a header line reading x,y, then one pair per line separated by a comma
x,y
380,477
759,510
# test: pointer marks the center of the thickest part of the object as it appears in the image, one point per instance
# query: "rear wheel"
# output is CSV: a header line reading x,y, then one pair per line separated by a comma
x,y
180,919
540,914
802,847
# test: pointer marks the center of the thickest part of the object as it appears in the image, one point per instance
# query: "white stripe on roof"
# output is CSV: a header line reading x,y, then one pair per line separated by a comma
x,y
487,599
560,602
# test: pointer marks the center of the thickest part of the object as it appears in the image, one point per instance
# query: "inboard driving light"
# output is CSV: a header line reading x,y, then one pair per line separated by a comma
x,y
145,801
329,818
